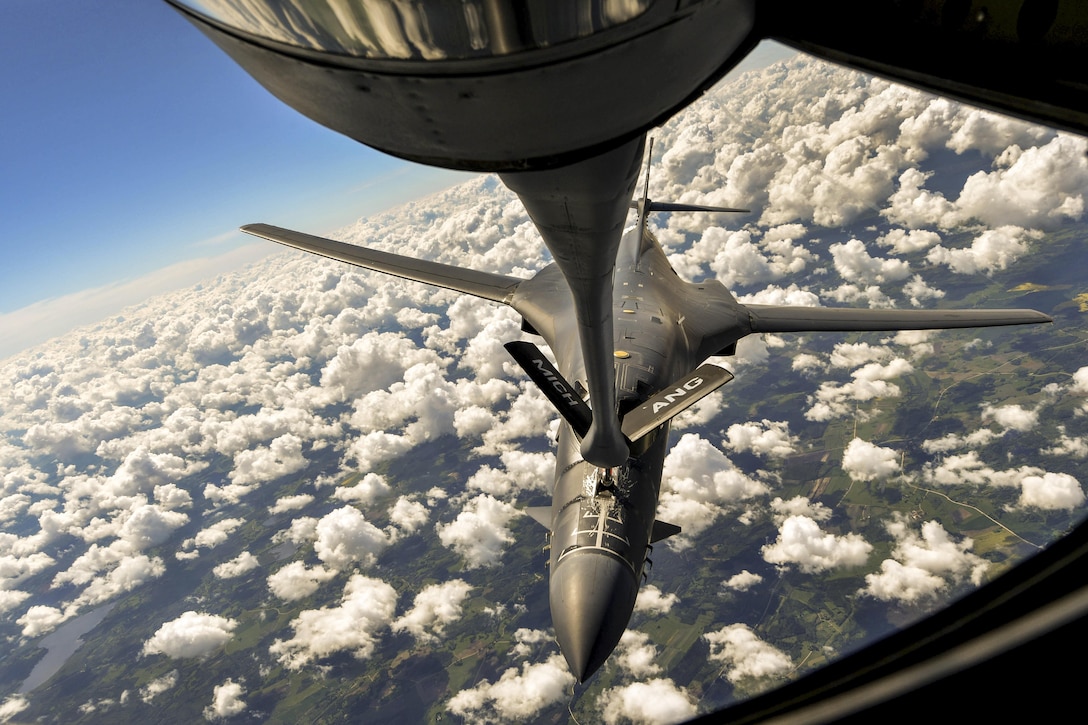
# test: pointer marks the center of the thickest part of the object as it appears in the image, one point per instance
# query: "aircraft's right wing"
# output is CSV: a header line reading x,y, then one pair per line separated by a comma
x,y
775,318
494,287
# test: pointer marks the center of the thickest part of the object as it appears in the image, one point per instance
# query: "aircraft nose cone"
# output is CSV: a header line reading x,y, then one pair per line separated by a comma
x,y
592,596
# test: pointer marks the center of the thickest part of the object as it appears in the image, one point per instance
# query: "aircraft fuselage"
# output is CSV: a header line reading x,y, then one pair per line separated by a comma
x,y
602,519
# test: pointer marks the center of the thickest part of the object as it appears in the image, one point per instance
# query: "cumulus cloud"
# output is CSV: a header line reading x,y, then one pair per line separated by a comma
x,y
636,655
742,582
1066,445
215,534
291,503
369,488
865,461
236,567
528,640
918,291
372,362
1051,491
344,537
650,600
782,509
775,295
1039,488
521,471
1041,186
435,607
282,457
131,572
923,564
854,263
914,206
366,608
904,241
226,701
765,438
656,702
869,382
16,569
12,706
803,544
193,634
11,598
1080,381
991,251
698,482
952,441
1011,417
744,655
856,354
40,619
479,533
408,515
297,581
158,686
518,694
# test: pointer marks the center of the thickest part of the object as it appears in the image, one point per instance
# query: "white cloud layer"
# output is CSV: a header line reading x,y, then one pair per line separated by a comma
x,y
655,702
698,484
742,581
158,686
236,567
298,373
297,581
226,701
922,565
744,655
650,600
802,543
366,608
479,533
435,607
193,634
865,461
518,694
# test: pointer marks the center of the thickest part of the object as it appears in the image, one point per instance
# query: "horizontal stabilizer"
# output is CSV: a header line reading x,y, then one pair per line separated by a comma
x,y
775,318
494,287
541,514
561,393
663,530
667,206
674,399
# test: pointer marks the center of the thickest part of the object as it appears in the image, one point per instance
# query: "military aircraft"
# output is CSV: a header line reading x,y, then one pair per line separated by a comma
x,y
557,98
602,521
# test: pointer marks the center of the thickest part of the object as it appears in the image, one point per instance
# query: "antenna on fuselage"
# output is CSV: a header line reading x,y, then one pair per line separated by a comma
x,y
645,205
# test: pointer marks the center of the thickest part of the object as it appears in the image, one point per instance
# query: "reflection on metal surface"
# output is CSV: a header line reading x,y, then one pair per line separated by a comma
x,y
601,528
420,29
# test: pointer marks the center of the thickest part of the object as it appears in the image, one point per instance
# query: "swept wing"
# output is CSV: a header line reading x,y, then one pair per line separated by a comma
x,y
775,318
494,287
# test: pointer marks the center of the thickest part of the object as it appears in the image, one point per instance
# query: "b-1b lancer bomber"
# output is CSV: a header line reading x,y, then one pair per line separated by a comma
x,y
602,518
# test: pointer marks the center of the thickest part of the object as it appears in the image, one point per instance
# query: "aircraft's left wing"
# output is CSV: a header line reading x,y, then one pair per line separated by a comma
x,y
494,287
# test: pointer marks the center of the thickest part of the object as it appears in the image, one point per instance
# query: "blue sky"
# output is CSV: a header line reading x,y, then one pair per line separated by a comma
x,y
130,142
